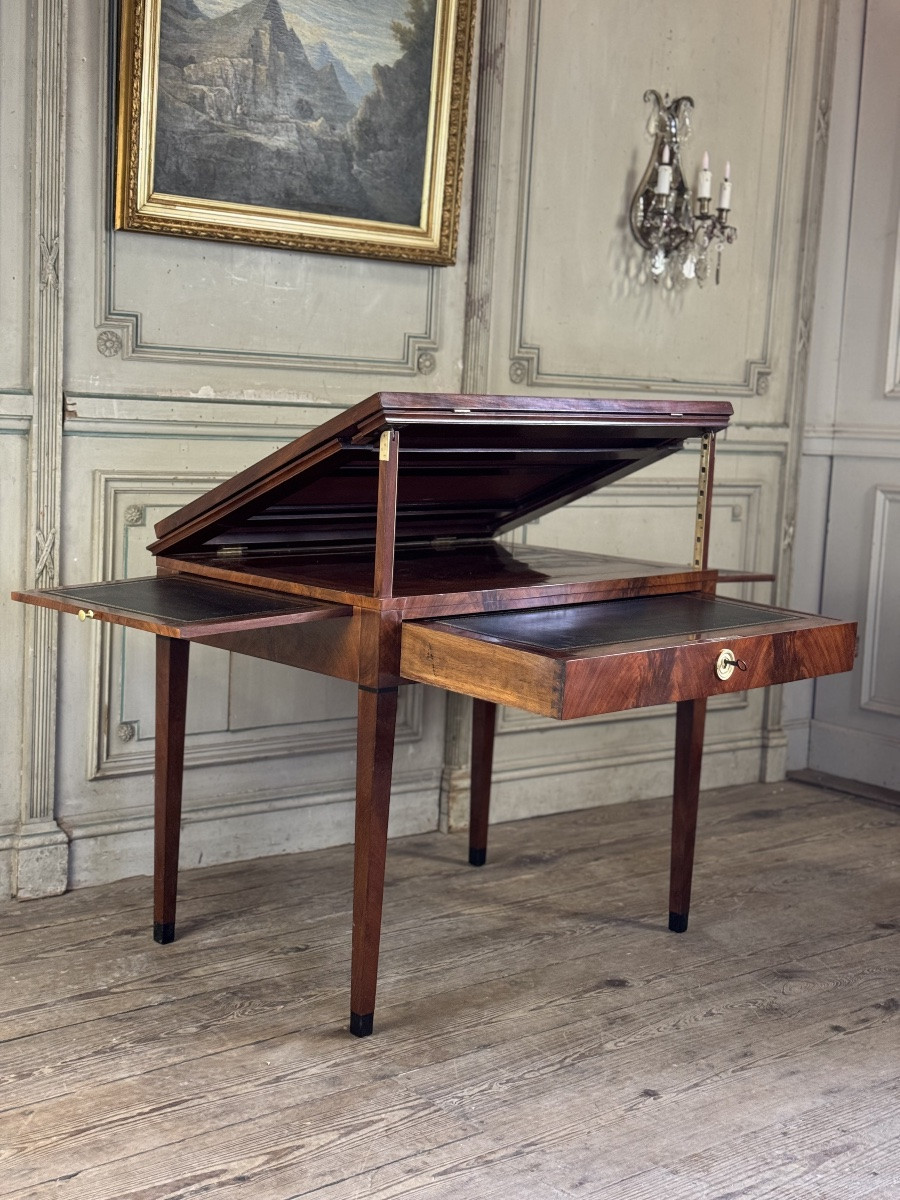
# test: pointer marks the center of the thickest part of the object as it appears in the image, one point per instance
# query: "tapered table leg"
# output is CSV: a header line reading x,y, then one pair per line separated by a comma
x,y
689,724
375,752
484,722
171,705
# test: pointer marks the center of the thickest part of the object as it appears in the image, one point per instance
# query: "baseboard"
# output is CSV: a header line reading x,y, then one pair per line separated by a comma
x,y
868,792
102,850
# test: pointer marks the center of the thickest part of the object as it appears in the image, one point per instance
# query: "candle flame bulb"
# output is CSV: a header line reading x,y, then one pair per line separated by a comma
x,y
704,187
725,189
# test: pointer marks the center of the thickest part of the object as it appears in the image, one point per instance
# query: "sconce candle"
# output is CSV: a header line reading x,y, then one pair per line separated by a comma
x,y
664,175
725,189
704,187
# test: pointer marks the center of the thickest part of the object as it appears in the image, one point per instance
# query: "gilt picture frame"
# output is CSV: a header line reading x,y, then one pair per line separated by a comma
x,y
335,126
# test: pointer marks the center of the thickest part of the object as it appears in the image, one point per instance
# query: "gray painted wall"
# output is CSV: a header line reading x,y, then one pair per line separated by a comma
x,y
137,370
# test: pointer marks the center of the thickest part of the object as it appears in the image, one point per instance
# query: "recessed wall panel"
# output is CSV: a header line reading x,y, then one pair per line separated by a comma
x,y
16,137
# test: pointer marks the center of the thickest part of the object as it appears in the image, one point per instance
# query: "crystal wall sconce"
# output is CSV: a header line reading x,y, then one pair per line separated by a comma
x,y
682,242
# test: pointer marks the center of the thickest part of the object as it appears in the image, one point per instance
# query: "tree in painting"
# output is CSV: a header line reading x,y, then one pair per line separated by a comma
x,y
247,114
390,131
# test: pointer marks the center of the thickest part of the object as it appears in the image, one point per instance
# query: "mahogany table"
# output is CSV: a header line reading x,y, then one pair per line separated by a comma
x,y
368,550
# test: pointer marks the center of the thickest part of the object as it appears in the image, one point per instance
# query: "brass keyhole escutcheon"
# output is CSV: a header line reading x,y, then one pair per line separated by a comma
x,y
726,664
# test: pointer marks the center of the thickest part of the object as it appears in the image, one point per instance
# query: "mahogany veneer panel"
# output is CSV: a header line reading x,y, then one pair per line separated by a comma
x,y
434,580
583,660
326,647
468,466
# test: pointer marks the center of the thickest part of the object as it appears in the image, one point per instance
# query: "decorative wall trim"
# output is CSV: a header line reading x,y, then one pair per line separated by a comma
x,y
525,368
16,412
880,691
272,800
109,845
853,441
809,257
226,747
892,372
127,326
195,416
45,872
120,331
480,283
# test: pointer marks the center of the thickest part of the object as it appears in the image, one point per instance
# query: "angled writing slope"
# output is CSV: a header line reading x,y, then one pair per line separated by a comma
x,y
367,550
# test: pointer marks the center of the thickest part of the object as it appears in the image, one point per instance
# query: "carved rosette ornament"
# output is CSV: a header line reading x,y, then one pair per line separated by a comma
x,y
518,371
426,363
134,514
109,343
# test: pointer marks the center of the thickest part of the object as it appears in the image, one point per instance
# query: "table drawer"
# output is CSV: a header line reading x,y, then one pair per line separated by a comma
x,y
586,659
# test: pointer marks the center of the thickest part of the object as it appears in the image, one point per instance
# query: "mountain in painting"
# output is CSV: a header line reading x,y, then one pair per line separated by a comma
x,y
320,54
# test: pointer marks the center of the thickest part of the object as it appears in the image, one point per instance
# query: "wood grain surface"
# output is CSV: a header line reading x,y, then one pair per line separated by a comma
x,y
468,466
583,660
437,581
548,1038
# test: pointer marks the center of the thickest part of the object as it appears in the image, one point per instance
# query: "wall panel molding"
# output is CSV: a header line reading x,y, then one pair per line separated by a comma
x,y
121,330
892,372
853,441
43,855
880,684
16,413
415,351
107,845
481,278
16,135
195,417
526,365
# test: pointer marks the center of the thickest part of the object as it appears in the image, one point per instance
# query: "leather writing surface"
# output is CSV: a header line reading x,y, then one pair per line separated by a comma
x,y
579,626
168,598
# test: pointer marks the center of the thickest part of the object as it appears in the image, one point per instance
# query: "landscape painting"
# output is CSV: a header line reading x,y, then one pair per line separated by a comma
x,y
332,125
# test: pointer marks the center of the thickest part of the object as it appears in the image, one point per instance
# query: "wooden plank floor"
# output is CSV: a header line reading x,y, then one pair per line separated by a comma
x,y
539,1032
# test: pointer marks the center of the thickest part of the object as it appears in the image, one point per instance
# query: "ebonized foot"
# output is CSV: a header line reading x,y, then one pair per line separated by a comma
x,y
678,922
477,858
361,1026
164,932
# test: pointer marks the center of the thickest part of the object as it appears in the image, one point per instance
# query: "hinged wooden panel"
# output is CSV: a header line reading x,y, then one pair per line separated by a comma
x,y
181,606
